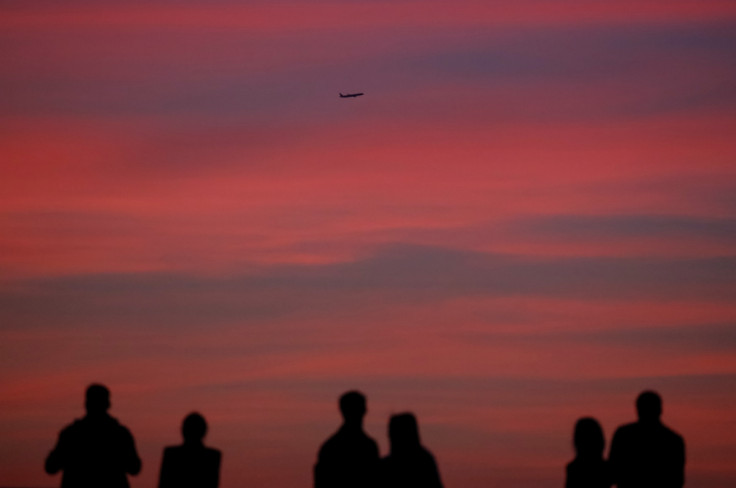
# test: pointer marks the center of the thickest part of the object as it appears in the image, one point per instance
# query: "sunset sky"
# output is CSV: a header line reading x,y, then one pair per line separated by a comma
x,y
529,217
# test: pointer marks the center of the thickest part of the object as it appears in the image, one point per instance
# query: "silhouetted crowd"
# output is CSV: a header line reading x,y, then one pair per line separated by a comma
x,y
97,451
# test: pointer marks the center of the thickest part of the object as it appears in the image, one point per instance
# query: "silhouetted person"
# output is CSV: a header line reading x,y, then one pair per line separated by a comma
x,y
646,453
409,464
588,469
191,465
348,459
95,451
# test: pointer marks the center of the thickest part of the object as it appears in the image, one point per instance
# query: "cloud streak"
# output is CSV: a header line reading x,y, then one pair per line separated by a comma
x,y
401,273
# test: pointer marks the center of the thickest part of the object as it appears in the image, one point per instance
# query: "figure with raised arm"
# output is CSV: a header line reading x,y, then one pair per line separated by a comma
x,y
94,451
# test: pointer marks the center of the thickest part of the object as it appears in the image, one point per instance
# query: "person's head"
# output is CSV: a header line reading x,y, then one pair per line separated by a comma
x,y
588,438
193,428
403,432
352,406
97,399
649,406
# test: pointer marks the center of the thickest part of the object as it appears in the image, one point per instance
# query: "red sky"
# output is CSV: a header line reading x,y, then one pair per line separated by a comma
x,y
529,217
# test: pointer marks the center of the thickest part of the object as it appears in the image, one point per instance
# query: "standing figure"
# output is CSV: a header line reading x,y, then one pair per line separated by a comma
x,y
588,469
646,453
191,465
409,464
348,459
95,451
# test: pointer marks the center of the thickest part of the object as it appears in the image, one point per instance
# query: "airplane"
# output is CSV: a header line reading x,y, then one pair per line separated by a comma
x,y
351,95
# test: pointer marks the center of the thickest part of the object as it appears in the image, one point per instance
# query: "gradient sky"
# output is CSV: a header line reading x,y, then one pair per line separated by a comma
x,y
529,217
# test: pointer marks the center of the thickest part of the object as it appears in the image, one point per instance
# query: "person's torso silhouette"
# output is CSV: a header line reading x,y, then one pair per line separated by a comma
x,y
348,459
646,453
95,451
191,465
409,465
588,469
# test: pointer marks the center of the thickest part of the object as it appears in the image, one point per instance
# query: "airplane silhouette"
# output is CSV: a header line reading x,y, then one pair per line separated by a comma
x,y
351,95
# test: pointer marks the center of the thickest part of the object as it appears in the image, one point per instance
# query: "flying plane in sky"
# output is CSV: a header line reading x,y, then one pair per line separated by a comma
x,y
351,95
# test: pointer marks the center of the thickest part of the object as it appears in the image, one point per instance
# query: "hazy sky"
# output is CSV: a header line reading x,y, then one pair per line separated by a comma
x,y
528,218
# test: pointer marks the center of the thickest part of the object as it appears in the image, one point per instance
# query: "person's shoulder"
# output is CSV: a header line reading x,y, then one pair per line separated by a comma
x,y
360,436
172,453
672,434
213,453
335,438
331,443
572,469
369,440
628,426
370,443
76,424
626,429
426,453
122,430
73,429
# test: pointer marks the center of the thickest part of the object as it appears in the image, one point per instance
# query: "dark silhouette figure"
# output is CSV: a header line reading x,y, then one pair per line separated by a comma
x,y
348,459
191,465
96,450
409,465
588,469
646,453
